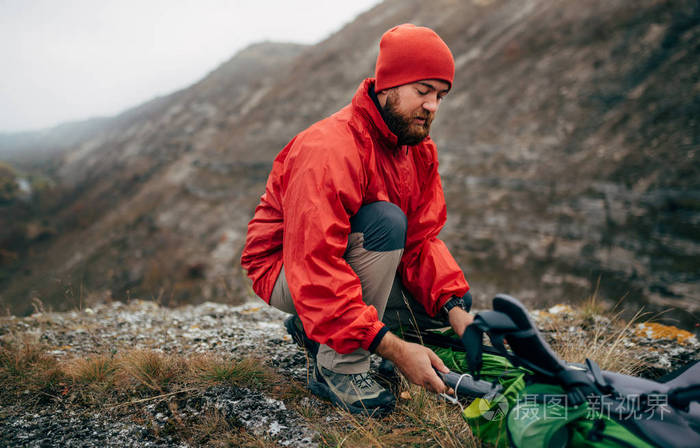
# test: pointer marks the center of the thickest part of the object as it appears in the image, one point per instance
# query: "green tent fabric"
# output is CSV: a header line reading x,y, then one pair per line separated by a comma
x,y
487,418
613,435
540,419
523,416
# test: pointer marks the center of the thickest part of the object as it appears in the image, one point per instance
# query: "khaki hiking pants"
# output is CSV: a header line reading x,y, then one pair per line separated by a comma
x,y
375,247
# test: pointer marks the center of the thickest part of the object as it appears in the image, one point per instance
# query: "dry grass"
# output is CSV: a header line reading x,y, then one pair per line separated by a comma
x,y
93,370
25,366
149,371
128,381
423,420
597,334
246,372
211,425
214,430
441,421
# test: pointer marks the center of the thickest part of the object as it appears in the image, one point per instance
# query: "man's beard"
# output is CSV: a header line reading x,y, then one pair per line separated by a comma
x,y
408,132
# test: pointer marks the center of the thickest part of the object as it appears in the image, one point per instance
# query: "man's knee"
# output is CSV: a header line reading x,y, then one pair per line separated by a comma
x,y
383,225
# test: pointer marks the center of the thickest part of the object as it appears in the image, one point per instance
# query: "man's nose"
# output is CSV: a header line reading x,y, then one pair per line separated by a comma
x,y
431,104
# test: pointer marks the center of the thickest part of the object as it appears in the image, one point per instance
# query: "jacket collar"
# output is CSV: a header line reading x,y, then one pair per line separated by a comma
x,y
363,103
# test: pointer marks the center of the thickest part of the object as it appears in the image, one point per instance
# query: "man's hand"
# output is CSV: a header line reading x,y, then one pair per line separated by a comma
x,y
459,319
416,362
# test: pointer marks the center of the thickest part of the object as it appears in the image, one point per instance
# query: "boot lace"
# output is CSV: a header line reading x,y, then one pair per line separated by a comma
x,y
363,381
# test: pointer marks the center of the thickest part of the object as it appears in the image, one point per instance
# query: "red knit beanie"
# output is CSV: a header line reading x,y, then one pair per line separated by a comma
x,y
409,53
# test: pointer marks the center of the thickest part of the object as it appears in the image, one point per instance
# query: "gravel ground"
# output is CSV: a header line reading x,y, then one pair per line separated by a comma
x,y
242,331
51,427
252,329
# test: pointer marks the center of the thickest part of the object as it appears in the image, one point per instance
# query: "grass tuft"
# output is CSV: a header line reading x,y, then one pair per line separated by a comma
x,y
25,366
246,372
149,370
97,370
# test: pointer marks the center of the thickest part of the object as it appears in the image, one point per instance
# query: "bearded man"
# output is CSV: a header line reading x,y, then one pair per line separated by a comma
x,y
345,237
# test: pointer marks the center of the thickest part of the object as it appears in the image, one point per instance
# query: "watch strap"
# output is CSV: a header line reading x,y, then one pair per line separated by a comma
x,y
453,302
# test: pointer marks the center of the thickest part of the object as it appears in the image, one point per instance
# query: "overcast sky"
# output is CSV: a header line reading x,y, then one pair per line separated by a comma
x,y
65,60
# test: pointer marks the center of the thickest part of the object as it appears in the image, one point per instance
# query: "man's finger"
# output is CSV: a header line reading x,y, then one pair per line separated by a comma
x,y
437,362
435,384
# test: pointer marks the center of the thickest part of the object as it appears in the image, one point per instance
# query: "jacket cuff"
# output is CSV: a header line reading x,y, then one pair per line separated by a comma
x,y
467,299
377,339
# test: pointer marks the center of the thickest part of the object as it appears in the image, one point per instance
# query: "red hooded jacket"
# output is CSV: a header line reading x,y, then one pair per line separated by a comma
x,y
318,182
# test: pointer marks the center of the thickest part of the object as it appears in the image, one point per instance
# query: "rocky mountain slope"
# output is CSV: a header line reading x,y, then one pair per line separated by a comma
x,y
569,149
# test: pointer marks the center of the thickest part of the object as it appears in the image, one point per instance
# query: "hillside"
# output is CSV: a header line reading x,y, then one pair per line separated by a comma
x,y
119,197
568,149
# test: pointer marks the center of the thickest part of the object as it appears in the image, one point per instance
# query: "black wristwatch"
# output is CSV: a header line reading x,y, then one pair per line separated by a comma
x,y
453,302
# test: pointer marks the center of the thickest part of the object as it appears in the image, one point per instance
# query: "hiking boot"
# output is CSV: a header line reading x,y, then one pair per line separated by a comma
x,y
358,393
388,377
296,331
